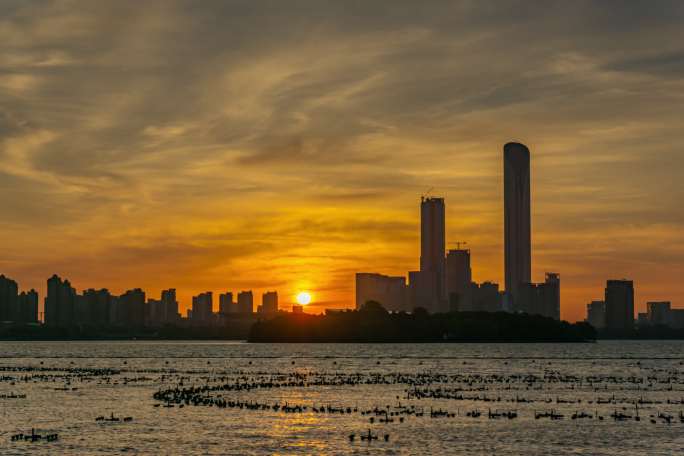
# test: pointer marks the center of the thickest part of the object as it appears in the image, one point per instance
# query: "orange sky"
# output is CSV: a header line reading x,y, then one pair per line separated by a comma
x,y
226,146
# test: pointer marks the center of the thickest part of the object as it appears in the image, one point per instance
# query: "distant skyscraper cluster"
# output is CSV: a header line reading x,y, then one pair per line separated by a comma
x,y
65,307
444,281
202,311
615,313
14,306
661,313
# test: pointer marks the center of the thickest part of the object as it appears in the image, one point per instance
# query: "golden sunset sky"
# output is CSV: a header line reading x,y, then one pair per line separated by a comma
x,y
285,145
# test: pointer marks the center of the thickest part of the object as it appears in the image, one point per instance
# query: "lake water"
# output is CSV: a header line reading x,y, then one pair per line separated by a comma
x,y
239,398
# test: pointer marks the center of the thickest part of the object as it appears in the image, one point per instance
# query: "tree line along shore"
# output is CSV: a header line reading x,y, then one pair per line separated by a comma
x,y
370,324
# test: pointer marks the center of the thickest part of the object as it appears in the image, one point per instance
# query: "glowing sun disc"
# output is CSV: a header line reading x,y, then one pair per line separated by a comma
x,y
303,298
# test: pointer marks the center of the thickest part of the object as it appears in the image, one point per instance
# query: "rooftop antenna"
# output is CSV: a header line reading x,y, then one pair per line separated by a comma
x,y
426,194
459,244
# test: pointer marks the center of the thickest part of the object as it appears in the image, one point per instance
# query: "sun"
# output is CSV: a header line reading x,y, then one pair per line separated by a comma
x,y
303,297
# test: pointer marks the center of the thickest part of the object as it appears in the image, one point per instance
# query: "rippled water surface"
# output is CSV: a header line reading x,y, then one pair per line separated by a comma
x,y
237,398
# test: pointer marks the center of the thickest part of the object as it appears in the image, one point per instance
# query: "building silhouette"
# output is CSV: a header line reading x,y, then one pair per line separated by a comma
x,y
484,297
658,312
418,291
391,292
661,313
226,304
154,312
677,318
540,298
59,302
14,306
114,311
642,319
129,309
269,303
550,296
9,299
596,314
202,307
619,298
431,283
517,219
159,312
28,307
100,300
458,279
245,302
170,306
92,307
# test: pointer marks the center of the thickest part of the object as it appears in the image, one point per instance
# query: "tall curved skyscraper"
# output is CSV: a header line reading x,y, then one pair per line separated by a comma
x,y
517,237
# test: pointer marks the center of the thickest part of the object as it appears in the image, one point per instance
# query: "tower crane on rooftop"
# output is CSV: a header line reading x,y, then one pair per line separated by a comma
x,y
459,244
426,195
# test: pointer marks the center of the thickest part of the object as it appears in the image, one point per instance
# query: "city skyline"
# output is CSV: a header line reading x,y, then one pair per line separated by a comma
x,y
442,284
226,158
431,277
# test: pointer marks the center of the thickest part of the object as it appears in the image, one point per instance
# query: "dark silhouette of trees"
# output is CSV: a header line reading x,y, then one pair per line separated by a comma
x,y
372,308
372,323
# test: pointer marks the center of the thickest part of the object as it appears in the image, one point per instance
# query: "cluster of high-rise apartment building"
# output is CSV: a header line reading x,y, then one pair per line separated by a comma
x,y
661,313
203,305
615,313
14,306
65,307
444,281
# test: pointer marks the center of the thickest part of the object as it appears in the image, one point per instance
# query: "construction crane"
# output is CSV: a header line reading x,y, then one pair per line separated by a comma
x,y
459,244
426,194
